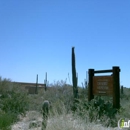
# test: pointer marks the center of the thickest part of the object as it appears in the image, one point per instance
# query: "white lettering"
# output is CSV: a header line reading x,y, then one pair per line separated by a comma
x,y
102,83
101,92
102,87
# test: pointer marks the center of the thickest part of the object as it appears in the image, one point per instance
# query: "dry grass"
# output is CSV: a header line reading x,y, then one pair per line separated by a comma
x,y
58,122
61,117
68,122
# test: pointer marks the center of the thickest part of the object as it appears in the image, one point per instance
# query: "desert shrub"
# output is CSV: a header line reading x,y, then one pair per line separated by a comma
x,y
15,102
12,99
5,85
96,110
56,93
6,120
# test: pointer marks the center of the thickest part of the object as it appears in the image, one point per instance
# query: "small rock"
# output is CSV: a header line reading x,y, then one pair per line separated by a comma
x,y
34,124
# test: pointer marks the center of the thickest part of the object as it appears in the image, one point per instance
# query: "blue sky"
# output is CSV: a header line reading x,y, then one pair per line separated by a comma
x,y
36,36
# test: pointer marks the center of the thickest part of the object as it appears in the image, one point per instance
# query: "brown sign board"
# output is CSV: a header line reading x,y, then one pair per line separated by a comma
x,y
103,85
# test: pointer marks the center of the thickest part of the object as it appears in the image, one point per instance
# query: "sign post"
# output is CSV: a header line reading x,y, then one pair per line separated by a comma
x,y
105,85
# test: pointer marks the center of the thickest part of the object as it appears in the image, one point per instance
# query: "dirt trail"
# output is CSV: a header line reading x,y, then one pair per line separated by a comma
x,y
60,122
31,116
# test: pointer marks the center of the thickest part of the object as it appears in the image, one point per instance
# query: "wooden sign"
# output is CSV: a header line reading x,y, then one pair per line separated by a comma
x,y
103,85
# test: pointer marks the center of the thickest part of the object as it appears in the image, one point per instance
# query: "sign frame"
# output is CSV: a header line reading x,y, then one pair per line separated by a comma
x,y
115,85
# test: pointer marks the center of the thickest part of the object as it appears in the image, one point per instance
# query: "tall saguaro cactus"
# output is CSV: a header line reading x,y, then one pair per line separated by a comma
x,y
36,91
122,89
77,78
45,81
74,78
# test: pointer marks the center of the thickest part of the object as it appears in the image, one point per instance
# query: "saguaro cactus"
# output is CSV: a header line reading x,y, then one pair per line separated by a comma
x,y
45,111
74,78
45,81
45,108
36,91
77,78
86,85
122,89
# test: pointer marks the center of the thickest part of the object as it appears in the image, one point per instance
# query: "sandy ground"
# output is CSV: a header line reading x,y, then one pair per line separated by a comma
x,y
24,122
56,123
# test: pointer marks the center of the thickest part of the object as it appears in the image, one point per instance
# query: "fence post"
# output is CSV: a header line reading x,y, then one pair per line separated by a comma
x,y
116,87
90,87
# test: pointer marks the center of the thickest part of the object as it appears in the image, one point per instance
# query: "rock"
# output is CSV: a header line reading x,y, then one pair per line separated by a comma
x,y
34,124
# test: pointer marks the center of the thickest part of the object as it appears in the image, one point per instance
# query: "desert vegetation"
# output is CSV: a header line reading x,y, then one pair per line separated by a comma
x,y
67,113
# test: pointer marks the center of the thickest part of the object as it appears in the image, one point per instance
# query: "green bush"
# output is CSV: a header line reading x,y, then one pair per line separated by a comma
x,y
14,102
6,120
12,98
58,92
96,109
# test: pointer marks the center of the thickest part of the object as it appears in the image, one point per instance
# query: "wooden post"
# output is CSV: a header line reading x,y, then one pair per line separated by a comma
x,y
90,87
116,87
